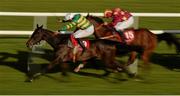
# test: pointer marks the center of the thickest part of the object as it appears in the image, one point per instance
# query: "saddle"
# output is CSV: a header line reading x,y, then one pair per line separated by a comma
x,y
128,34
78,45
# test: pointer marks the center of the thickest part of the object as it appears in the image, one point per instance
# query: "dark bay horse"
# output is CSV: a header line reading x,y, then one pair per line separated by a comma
x,y
138,38
104,50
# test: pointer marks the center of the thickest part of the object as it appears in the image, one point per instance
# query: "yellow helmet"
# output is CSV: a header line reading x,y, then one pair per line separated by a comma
x,y
108,13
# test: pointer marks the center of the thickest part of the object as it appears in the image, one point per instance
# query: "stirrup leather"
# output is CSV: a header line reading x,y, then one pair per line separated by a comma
x,y
75,51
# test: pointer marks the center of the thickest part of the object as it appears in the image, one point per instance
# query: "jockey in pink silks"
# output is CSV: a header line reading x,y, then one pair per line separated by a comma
x,y
121,20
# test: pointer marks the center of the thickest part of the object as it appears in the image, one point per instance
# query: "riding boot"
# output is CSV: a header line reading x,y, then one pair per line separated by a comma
x,y
81,44
75,49
122,36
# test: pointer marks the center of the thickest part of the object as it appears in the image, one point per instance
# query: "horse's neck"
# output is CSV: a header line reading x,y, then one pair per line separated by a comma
x,y
50,38
100,29
55,39
93,21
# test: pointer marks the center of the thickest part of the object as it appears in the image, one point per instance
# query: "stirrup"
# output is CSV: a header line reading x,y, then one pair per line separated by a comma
x,y
81,44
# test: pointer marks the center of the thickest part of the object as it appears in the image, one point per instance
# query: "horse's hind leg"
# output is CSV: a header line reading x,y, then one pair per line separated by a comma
x,y
145,57
132,58
146,66
112,63
108,58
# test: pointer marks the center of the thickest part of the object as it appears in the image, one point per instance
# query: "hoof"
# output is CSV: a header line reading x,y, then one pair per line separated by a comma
x,y
29,80
76,70
37,75
119,69
132,75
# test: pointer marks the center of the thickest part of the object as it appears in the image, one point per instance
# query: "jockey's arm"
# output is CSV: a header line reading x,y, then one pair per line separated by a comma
x,y
71,24
68,26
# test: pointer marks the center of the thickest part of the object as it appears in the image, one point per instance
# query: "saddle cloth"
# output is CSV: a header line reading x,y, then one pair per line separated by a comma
x,y
85,42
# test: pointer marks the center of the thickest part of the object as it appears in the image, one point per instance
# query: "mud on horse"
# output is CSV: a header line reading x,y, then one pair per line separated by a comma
x,y
105,50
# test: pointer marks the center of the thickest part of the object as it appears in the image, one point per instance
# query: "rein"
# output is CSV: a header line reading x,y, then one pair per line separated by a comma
x,y
107,37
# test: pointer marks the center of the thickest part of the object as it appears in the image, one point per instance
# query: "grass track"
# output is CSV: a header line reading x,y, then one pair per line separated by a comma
x,y
13,52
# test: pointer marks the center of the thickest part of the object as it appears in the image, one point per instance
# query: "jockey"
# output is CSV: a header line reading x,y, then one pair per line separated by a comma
x,y
85,28
121,20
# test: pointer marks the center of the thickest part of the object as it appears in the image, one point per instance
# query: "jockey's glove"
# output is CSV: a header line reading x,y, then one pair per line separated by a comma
x,y
63,21
59,30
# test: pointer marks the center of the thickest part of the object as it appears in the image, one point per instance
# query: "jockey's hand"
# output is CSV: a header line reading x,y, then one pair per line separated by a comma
x,y
59,31
61,21
55,33
105,23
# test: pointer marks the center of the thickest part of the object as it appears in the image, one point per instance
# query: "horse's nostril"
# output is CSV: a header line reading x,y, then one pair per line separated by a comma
x,y
28,44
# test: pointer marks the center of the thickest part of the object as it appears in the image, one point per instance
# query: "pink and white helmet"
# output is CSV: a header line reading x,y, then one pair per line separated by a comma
x,y
69,16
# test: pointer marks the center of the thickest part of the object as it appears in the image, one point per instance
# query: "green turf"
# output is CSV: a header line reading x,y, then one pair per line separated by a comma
x,y
160,80
13,52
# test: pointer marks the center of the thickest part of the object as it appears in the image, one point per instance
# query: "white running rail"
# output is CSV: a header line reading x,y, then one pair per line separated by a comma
x,y
38,15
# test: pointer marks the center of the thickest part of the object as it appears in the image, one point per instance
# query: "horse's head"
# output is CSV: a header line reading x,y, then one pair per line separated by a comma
x,y
36,36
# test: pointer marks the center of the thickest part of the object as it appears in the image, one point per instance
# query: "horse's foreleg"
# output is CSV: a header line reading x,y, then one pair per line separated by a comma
x,y
64,67
49,67
42,72
77,69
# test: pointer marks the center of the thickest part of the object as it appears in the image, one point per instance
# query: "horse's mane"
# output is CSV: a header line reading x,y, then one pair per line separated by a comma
x,y
97,19
60,35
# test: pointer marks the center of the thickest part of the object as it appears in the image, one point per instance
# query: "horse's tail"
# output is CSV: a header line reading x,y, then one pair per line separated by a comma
x,y
170,40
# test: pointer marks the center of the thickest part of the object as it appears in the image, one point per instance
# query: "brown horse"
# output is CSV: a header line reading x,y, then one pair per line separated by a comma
x,y
136,38
105,50
169,38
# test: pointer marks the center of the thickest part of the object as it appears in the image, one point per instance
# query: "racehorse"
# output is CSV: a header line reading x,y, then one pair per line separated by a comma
x,y
170,39
105,50
135,38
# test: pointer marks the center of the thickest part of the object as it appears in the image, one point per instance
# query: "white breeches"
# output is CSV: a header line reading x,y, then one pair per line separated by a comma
x,y
125,24
84,33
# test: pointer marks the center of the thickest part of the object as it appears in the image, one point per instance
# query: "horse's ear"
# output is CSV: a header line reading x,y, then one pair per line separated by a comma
x,y
87,15
41,26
